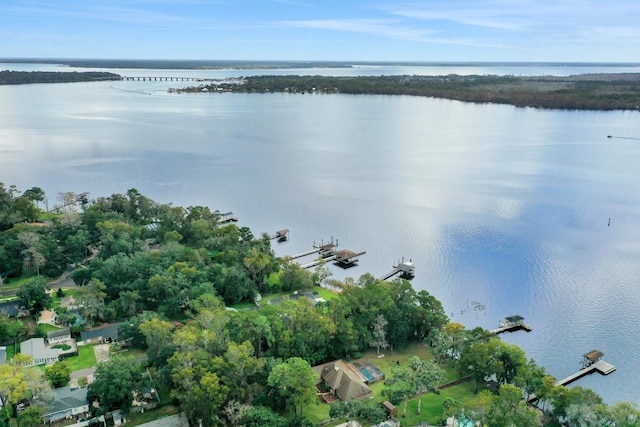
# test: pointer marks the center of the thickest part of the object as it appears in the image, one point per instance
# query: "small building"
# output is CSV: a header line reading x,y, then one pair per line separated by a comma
x,y
390,408
100,334
41,355
60,336
3,355
67,403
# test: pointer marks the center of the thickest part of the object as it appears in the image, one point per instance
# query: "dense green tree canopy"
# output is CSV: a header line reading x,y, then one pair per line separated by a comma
x,y
115,382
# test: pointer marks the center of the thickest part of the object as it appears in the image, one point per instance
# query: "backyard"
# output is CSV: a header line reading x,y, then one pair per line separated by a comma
x,y
432,409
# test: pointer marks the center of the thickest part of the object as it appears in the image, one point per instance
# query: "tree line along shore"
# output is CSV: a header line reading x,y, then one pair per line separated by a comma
x,y
184,284
581,92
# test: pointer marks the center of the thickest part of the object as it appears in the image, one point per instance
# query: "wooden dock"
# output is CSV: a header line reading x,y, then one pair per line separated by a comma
x,y
227,217
280,235
512,324
601,367
406,270
346,258
316,262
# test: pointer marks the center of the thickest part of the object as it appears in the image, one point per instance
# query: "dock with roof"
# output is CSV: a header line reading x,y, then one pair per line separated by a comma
x,y
591,362
512,324
329,252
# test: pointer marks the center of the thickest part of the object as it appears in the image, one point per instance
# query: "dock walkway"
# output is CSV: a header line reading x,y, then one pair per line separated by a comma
x,y
600,366
406,269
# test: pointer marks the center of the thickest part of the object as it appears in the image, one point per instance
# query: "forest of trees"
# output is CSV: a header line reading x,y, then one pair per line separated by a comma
x,y
172,273
25,77
584,92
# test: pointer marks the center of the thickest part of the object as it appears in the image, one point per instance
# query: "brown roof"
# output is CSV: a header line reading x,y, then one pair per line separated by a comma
x,y
594,355
327,246
345,254
390,407
346,385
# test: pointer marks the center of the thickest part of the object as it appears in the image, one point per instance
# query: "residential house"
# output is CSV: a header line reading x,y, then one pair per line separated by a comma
x,y
59,336
67,403
342,381
10,308
100,334
41,355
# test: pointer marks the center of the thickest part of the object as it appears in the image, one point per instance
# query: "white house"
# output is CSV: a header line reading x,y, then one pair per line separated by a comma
x,y
41,355
59,336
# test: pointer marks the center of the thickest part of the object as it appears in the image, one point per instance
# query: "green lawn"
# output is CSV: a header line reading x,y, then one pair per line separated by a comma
x,y
316,411
15,283
75,292
45,327
86,358
325,293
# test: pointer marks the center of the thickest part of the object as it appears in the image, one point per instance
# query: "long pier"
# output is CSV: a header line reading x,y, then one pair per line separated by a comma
x,y
166,79
601,367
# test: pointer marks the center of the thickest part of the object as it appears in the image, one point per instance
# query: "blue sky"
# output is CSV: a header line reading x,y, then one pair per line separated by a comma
x,y
347,30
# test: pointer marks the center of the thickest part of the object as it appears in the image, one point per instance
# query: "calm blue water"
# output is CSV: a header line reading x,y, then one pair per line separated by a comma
x,y
503,210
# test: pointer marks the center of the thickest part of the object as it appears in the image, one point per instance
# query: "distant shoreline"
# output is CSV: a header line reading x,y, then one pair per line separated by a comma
x,y
284,64
604,92
584,92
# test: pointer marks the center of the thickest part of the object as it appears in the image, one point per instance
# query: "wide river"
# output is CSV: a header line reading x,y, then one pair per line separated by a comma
x,y
504,210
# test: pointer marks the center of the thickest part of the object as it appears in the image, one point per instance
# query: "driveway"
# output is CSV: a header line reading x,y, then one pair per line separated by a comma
x,y
102,352
82,373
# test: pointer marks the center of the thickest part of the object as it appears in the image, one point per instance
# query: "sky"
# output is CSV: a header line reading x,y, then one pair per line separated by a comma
x,y
324,30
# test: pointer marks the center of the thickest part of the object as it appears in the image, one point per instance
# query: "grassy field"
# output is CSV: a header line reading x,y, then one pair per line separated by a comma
x,y
86,358
45,327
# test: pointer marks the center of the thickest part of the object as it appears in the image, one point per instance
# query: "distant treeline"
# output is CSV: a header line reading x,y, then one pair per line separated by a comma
x,y
172,64
583,92
25,77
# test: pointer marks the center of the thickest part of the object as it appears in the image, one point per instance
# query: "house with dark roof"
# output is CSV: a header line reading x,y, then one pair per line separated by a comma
x,y
67,403
61,335
10,308
102,333
41,355
342,381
